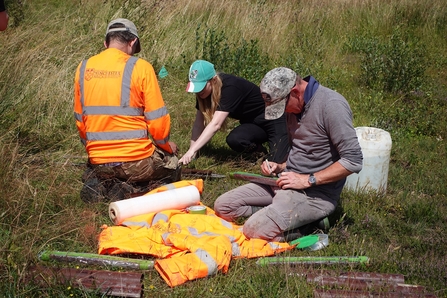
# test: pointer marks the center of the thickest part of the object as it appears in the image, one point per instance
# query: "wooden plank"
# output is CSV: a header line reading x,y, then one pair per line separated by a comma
x,y
113,283
321,293
363,284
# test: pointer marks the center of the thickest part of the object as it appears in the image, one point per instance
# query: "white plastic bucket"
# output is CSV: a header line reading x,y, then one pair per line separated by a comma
x,y
376,149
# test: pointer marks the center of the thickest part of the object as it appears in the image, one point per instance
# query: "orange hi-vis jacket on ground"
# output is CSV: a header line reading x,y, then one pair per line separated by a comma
x,y
118,106
188,246
198,183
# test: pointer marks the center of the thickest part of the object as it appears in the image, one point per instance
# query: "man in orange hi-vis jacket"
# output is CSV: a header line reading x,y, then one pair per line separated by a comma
x,y
122,120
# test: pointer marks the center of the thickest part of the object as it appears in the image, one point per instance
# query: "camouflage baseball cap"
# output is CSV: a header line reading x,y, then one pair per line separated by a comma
x,y
275,86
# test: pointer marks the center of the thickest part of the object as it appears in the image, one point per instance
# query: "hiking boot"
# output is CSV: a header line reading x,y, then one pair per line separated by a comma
x,y
93,191
120,190
323,224
255,209
292,235
178,173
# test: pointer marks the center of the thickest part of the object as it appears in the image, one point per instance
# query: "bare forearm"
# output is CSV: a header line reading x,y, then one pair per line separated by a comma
x,y
206,135
294,180
333,173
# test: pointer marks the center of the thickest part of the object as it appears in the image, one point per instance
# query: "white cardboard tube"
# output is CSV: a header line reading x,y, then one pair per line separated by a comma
x,y
177,198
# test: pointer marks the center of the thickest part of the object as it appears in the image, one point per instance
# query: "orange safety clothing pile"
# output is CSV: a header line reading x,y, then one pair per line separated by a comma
x,y
187,246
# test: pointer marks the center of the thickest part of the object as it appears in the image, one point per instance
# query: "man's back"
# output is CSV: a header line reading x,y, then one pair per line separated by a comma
x,y
111,96
122,119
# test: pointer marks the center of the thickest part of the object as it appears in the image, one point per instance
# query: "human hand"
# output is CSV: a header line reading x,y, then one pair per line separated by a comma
x,y
268,168
292,180
187,157
174,147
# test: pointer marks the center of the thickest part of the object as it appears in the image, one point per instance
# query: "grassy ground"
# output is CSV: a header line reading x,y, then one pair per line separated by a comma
x,y
388,58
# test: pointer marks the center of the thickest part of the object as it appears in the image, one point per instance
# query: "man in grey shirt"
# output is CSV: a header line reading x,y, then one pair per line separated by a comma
x,y
324,151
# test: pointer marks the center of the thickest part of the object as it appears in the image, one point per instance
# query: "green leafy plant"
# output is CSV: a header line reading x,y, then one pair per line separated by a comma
x,y
243,59
394,65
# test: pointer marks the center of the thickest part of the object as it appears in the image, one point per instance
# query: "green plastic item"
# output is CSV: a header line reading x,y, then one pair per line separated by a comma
x,y
252,177
95,259
162,73
312,260
305,241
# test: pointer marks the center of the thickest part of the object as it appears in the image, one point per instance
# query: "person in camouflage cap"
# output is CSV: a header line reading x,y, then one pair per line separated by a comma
x,y
276,86
324,151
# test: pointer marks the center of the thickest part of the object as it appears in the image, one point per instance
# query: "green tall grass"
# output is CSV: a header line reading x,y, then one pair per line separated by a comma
x,y
388,58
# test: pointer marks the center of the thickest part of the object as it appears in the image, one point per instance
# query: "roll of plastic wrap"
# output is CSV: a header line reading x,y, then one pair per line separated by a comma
x,y
178,198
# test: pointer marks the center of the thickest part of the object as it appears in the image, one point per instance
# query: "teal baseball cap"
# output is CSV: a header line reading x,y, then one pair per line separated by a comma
x,y
200,73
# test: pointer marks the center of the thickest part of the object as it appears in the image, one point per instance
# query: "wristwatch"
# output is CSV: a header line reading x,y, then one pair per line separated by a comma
x,y
312,180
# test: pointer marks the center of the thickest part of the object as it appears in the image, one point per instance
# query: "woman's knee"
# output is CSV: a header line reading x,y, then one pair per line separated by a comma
x,y
235,143
246,137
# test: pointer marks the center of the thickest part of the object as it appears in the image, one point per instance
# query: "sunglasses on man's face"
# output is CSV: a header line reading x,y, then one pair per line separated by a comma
x,y
269,101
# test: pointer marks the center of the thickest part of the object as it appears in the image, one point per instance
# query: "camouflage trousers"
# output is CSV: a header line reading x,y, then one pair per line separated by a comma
x,y
122,180
159,166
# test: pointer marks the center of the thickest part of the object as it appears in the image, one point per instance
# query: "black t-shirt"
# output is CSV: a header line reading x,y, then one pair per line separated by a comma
x,y
240,98
2,5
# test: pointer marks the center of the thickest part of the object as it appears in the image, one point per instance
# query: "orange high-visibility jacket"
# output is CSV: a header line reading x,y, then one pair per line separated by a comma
x,y
118,107
189,246
198,183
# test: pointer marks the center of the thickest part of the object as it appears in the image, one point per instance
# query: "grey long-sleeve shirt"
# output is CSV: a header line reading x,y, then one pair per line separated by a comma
x,y
323,135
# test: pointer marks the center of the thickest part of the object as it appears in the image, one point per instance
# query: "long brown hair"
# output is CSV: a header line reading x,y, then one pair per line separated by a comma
x,y
208,106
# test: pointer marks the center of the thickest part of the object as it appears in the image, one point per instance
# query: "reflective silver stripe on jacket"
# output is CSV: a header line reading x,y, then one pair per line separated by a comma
x,y
78,117
81,80
163,111
123,110
142,224
116,135
206,258
108,110
125,85
162,142
274,246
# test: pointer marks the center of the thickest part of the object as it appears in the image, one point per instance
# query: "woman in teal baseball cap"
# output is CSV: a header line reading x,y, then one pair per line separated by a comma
x,y
221,95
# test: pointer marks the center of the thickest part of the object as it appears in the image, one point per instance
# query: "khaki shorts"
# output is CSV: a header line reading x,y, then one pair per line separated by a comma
x,y
161,165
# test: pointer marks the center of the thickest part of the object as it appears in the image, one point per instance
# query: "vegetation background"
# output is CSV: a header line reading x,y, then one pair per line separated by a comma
x,y
388,58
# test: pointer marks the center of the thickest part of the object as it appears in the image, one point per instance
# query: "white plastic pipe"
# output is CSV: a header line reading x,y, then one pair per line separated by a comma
x,y
178,198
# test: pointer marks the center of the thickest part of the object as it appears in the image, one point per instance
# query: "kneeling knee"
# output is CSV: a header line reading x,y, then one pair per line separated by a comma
x,y
221,209
234,143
